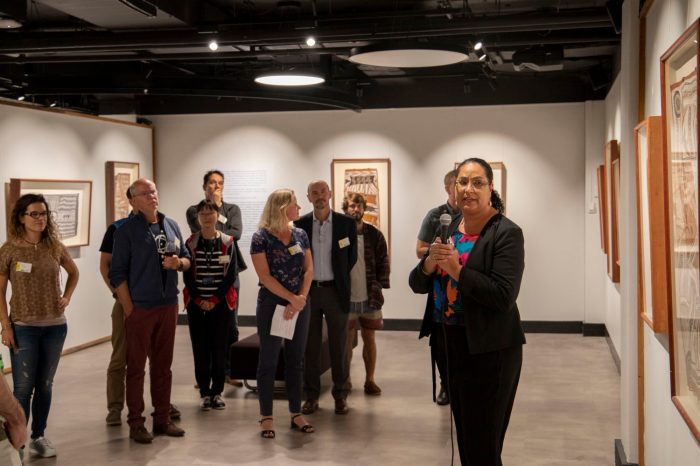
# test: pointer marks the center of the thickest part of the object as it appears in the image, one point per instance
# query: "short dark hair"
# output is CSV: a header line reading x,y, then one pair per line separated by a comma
x,y
450,175
357,198
128,193
206,204
209,174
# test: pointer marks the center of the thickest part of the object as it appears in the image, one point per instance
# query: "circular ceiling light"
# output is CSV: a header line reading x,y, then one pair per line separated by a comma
x,y
289,79
407,56
213,45
310,41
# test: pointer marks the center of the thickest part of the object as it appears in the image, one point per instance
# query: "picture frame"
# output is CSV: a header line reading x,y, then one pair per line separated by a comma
x,y
603,208
652,262
612,176
118,177
372,179
69,202
679,108
499,179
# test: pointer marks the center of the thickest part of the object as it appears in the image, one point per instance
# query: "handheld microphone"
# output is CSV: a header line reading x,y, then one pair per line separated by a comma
x,y
445,220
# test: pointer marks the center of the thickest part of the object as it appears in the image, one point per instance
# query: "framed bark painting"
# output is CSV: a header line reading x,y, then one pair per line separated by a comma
x,y
372,179
652,262
603,208
612,178
680,125
118,178
69,203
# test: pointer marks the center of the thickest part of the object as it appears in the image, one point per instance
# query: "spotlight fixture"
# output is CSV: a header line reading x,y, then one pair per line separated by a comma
x,y
289,79
21,98
52,104
478,45
310,41
9,23
213,45
407,55
482,57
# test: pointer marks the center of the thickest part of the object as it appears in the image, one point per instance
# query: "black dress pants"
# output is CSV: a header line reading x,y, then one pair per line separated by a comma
x,y
208,332
482,391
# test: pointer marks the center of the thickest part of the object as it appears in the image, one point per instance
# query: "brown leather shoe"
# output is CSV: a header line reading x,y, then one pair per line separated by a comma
x,y
372,388
169,429
139,434
341,406
310,406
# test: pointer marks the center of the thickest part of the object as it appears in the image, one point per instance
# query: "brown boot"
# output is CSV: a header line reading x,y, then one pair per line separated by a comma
x,y
169,429
139,434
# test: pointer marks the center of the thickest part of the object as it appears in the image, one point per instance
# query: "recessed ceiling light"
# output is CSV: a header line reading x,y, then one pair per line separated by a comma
x,y
411,56
213,46
310,41
289,79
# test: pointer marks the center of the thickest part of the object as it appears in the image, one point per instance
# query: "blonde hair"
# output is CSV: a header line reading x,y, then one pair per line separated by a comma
x,y
274,217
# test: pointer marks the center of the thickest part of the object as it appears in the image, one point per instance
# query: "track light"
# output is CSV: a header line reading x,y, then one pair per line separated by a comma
x,y
52,104
482,57
213,45
310,41
21,98
478,46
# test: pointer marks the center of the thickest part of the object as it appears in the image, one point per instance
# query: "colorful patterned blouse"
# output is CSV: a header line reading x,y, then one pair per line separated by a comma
x,y
448,306
286,261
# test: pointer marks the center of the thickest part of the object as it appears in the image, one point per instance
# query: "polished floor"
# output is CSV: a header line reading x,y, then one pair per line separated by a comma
x,y
566,413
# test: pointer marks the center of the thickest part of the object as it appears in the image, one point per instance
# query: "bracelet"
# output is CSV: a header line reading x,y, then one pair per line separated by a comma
x,y
181,265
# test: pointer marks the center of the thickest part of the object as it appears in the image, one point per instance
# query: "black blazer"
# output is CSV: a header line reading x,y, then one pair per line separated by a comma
x,y
343,259
488,285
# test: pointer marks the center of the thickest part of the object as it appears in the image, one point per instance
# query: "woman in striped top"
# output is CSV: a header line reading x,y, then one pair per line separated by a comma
x,y
210,296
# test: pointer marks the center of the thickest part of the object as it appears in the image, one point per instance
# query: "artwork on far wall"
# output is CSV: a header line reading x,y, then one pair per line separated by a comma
x,y
118,178
69,202
680,124
652,262
612,179
603,208
372,179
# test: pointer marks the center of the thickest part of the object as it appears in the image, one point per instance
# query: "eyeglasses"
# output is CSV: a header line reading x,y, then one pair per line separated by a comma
x,y
35,214
147,193
477,183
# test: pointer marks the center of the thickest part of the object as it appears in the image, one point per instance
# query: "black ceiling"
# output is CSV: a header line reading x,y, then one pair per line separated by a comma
x,y
151,56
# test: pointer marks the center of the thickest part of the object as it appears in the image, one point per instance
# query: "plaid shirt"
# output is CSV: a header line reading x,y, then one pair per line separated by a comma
x,y
376,264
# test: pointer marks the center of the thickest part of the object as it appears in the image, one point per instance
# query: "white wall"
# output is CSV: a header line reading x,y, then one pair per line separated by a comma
x,y
667,440
50,145
542,146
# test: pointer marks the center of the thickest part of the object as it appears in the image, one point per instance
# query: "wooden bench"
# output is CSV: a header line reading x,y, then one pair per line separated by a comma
x,y
244,359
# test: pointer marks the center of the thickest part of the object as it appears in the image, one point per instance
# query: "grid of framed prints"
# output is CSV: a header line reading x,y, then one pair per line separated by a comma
x,y
680,125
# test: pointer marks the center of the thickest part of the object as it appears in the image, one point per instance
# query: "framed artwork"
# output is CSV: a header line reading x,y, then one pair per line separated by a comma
x,y
69,202
118,178
603,208
652,262
499,179
680,128
372,179
612,177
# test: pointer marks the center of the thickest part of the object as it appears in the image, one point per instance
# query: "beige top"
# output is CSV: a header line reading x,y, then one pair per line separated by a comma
x,y
35,278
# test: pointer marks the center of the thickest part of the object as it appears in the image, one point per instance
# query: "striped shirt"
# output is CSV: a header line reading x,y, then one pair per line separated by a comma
x,y
210,269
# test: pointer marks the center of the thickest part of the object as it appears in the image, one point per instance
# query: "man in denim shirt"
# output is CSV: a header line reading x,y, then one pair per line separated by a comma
x,y
148,252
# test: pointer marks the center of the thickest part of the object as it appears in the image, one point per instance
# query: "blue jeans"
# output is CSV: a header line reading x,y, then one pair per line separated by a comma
x,y
34,364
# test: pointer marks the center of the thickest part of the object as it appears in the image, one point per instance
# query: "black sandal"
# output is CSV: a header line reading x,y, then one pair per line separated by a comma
x,y
306,428
266,433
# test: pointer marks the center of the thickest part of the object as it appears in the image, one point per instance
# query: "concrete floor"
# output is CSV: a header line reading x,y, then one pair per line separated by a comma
x,y
566,413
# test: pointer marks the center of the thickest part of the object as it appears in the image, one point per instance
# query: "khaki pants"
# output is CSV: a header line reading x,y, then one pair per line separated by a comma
x,y
116,372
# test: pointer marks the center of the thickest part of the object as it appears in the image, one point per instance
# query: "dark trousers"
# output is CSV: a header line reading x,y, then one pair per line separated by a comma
x,y
232,332
208,334
34,363
437,347
150,333
270,347
325,302
482,391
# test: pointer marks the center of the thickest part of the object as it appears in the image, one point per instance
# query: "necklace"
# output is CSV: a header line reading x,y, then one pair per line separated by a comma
x,y
29,242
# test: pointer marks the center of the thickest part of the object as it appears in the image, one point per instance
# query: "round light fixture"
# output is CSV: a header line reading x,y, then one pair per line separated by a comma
x,y
407,56
310,41
213,46
9,23
289,79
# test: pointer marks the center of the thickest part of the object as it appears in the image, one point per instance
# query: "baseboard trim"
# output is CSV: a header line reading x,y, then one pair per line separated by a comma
x,y
620,457
594,330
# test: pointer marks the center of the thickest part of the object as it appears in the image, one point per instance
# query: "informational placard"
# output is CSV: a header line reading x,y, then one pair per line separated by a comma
x,y
248,189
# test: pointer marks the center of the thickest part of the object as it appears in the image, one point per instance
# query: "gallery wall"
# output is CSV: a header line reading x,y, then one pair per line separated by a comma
x,y
542,146
668,440
42,144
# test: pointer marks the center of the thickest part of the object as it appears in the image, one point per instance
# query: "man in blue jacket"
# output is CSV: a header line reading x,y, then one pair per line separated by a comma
x,y
147,254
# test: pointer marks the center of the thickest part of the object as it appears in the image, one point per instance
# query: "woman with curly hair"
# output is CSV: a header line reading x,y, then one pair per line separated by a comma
x,y
35,327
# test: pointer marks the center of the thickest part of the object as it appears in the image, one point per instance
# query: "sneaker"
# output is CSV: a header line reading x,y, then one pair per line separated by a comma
x,y
174,412
114,417
139,434
169,429
217,402
42,447
205,405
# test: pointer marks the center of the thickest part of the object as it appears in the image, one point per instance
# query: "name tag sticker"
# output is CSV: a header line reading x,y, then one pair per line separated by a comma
x,y
224,259
344,243
296,249
222,219
23,267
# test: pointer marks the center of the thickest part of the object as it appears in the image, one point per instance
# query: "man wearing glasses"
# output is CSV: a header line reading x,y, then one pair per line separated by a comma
x,y
147,254
230,223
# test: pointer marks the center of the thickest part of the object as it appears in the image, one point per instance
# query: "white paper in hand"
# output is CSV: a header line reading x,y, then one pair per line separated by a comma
x,y
281,327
